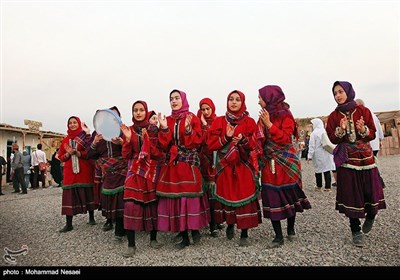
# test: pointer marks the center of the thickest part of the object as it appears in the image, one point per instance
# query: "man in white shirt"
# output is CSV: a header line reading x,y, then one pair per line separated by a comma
x,y
37,157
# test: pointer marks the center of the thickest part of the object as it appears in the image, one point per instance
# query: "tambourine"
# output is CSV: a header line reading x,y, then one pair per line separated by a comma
x,y
107,123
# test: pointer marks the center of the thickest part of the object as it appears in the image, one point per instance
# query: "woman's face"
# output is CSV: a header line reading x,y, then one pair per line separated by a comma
x,y
73,124
261,102
206,110
339,94
176,101
234,102
153,120
139,113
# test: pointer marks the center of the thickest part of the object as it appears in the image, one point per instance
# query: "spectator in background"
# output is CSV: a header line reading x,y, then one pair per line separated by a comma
x,y
37,157
26,162
321,159
377,142
55,170
3,169
18,169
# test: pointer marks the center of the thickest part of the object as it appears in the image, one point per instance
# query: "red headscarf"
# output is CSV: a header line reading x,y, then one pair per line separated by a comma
x,y
140,124
179,114
74,133
209,102
239,116
150,114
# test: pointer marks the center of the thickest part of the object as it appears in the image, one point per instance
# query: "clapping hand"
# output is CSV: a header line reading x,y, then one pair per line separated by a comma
x,y
230,129
188,120
85,128
360,124
127,132
162,120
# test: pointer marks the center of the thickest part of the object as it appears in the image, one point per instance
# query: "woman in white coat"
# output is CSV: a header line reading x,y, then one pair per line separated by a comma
x,y
322,159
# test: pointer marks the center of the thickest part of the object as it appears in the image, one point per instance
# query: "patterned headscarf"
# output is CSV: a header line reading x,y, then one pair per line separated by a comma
x,y
210,103
178,114
138,125
350,104
239,116
74,133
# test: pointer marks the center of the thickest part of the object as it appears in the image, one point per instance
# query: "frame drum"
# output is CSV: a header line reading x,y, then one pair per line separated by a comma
x,y
107,123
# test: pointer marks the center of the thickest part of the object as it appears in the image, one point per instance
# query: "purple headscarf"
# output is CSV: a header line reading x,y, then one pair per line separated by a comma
x,y
178,114
274,98
350,104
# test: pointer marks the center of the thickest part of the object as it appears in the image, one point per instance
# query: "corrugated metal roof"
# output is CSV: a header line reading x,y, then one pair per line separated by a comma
x,y
45,134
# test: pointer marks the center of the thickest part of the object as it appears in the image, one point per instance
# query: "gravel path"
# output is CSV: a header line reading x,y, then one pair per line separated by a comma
x,y
324,237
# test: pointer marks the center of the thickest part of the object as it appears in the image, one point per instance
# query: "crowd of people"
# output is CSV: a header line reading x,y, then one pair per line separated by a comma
x,y
30,171
183,172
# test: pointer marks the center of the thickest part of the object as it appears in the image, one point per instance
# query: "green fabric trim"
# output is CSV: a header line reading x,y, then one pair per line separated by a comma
x,y
112,191
205,186
73,186
243,202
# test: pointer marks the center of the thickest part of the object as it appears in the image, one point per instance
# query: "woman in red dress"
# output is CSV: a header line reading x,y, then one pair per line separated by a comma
x,y
235,188
206,114
77,196
282,194
140,150
182,205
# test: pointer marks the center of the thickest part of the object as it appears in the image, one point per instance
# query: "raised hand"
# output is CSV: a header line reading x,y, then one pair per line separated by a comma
x,y
85,128
264,117
230,129
144,133
126,131
203,120
343,123
97,138
237,139
162,120
360,124
69,149
188,120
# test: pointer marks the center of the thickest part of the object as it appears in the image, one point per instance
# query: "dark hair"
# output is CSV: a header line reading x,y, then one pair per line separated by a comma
x,y
39,146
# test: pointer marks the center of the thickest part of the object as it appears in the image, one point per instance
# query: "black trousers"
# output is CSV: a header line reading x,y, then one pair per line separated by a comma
x,y
327,177
19,179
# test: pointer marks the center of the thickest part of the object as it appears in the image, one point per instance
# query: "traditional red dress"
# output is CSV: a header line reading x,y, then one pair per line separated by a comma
x,y
182,205
144,159
235,188
282,194
77,196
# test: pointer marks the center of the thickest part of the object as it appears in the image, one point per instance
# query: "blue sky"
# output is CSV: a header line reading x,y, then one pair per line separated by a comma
x,y
63,58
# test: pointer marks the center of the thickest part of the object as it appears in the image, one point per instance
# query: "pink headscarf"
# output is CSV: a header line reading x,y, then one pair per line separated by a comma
x,y
178,114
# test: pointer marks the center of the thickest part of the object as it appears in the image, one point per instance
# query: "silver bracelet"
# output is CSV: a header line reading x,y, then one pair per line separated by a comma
x,y
366,132
338,133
